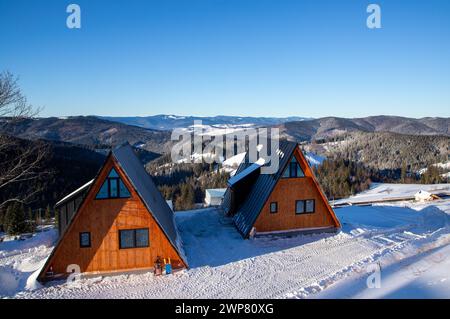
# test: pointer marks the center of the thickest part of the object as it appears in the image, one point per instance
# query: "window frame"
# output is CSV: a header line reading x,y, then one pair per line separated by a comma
x,y
109,180
134,230
293,168
80,239
276,208
305,211
304,208
313,207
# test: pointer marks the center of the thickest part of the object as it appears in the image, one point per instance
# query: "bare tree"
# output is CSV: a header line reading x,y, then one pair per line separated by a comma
x,y
20,161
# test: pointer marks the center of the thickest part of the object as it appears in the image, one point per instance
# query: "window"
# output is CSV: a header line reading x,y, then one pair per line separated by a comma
x,y
133,238
293,169
113,187
274,207
310,205
304,206
85,239
300,207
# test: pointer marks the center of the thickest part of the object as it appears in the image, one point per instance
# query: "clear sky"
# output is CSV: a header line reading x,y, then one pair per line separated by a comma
x,y
309,58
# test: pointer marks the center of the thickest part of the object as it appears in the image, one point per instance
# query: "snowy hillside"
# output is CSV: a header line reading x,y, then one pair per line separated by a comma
x,y
409,241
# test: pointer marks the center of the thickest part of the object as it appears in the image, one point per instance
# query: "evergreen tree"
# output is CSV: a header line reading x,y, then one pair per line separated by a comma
x,y
15,219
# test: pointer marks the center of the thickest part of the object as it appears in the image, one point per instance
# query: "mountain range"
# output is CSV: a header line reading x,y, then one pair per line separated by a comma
x,y
327,127
170,122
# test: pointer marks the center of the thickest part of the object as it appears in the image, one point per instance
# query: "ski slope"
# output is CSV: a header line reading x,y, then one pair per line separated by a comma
x,y
410,242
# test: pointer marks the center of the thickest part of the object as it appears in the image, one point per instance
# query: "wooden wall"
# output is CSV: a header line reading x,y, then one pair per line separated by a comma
x,y
103,219
286,192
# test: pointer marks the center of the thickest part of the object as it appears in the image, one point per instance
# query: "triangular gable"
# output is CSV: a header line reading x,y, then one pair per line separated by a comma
x,y
263,187
91,195
113,187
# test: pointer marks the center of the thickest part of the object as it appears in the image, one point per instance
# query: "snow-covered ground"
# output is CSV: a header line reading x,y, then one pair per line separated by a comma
x,y
21,259
381,192
409,241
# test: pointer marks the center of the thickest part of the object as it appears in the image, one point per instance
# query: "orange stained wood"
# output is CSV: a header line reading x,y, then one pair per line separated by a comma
x,y
103,219
285,193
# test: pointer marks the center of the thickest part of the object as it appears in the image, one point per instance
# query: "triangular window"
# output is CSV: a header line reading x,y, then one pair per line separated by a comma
x,y
113,187
293,169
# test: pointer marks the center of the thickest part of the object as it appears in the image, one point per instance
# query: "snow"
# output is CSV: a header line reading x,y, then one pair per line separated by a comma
x,y
314,159
410,241
236,178
21,260
387,192
444,166
423,196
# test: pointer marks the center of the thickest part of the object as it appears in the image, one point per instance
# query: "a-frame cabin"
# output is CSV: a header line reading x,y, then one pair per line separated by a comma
x,y
122,223
288,200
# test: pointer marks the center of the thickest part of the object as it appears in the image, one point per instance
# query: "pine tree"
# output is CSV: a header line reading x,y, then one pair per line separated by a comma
x,y
15,219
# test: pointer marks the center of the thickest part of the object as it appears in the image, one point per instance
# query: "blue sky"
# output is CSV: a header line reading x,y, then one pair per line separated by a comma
x,y
235,57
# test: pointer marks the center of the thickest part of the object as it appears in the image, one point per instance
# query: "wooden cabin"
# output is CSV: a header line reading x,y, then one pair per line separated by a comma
x,y
288,200
117,222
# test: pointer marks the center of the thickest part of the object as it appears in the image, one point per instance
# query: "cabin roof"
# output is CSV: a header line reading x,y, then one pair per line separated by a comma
x,y
249,211
216,192
74,194
241,175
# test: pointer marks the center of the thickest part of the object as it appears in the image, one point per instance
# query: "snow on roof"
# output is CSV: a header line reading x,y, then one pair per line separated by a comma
x,y
234,160
238,177
422,195
216,192
75,192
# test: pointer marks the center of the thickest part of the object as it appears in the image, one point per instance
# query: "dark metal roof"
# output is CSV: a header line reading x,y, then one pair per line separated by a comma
x,y
76,193
247,214
149,193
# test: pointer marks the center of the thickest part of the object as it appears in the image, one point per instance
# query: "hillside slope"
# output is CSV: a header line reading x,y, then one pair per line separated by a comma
x,y
91,131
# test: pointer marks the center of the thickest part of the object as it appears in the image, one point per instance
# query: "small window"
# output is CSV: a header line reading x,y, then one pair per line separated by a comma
x,y
310,205
274,207
300,207
85,239
133,238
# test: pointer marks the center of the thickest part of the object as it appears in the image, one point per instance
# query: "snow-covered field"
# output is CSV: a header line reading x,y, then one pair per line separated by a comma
x,y
387,192
408,241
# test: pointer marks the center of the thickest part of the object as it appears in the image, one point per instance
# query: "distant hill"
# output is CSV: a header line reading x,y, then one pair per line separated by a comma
x,y
90,131
67,167
386,150
334,126
169,122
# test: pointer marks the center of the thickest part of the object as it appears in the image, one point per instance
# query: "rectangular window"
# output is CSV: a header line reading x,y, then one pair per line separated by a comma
x,y
133,238
274,207
85,239
310,205
300,207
